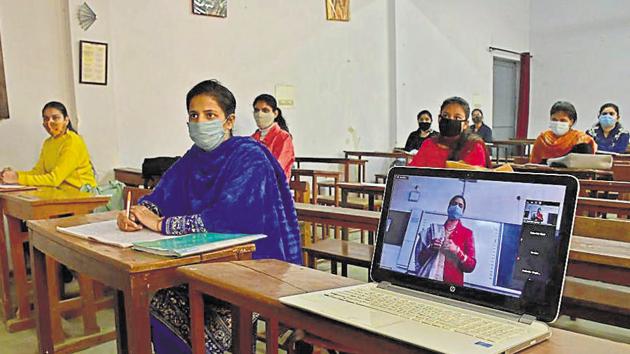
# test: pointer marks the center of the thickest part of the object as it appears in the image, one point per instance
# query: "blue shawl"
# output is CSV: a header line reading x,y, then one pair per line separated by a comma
x,y
239,187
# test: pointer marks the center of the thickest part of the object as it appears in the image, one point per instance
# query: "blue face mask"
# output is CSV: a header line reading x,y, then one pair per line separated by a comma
x,y
455,212
207,135
607,121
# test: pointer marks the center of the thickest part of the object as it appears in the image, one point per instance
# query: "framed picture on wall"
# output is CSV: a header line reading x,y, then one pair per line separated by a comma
x,y
217,8
4,101
338,10
92,63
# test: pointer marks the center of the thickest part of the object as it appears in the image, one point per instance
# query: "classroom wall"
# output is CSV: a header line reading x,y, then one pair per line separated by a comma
x,y
340,71
38,69
442,51
580,51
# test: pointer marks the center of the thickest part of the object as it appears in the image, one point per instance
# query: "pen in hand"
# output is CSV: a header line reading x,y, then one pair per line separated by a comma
x,y
128,203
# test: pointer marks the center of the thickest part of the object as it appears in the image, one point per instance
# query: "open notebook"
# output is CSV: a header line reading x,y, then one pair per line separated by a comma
x,y
107,232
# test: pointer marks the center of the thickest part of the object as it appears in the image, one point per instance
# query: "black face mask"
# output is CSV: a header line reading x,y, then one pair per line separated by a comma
x,y
450,127
424,125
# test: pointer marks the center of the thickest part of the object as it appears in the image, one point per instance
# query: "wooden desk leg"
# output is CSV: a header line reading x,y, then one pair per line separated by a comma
x,y
272,331
42,305
315,189
242,330
5,291
121,323
196,321
311,261
86,288
17,237
333,267
136,315
52,274
344,269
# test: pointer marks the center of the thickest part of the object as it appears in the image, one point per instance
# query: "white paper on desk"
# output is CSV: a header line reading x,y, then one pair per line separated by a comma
x,y
14,186
108,232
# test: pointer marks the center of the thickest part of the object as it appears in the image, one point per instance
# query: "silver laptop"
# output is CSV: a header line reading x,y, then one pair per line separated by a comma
x,y
464,262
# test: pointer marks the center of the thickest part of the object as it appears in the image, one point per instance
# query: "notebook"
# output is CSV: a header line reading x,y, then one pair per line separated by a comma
x,y
194,243
485,281
107,232
15,187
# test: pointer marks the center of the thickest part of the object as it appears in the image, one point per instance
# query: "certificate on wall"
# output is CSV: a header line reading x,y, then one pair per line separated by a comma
x,y
92,63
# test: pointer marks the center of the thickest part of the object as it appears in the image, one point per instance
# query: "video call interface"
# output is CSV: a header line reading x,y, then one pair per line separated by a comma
x,y
488,235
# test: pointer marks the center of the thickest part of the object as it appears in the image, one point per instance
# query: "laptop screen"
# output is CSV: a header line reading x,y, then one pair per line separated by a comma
x,y
491,237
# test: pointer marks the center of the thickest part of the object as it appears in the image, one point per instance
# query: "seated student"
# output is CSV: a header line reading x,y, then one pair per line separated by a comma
x,y
273,131
454,142
64,160
417,137
561,139
222,184
608,132
479,127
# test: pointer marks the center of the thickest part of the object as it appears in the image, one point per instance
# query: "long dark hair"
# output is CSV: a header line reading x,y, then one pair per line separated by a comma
x,y
609,104
61,108
271,101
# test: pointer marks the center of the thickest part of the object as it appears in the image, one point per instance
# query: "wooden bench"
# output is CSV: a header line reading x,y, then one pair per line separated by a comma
x,y
344,252
589,206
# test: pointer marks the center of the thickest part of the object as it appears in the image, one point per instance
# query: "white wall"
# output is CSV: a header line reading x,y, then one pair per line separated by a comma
x,y
580,51
340,71
38,69
442,51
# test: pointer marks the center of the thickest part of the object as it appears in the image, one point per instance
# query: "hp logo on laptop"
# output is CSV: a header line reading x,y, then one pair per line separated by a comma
x,y
452,289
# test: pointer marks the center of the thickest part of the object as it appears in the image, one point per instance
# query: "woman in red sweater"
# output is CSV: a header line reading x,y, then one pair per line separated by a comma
x,y
273,131
446,257
454,143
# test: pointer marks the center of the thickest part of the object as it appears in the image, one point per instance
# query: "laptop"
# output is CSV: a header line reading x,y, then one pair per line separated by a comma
x,y
464,261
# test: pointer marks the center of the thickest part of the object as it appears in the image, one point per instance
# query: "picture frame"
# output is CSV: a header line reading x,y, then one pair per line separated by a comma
x,y
93,63
214,8
338,10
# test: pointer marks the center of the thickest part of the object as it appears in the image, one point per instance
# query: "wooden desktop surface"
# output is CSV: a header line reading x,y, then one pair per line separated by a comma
x,y
135,275
257,285
582,173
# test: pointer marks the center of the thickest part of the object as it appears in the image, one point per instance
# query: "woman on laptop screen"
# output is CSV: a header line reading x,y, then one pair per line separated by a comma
x,y
455,142
447,251
222,184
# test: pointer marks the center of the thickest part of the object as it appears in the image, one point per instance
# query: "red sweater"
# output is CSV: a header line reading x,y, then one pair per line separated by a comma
x,y
280,143
433,155
454,267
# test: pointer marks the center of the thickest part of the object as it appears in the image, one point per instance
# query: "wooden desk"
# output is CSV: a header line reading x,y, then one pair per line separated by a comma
x,y
586,206
507,144
43,203
297,173
339,161
579,173
344,217
388,155
256,286
129,176
134,274
371,189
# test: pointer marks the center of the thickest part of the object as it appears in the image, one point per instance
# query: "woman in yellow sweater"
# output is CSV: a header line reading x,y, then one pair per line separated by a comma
x,y
64,160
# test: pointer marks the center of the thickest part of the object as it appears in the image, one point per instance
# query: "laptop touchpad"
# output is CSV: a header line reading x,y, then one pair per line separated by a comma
x,y
373,319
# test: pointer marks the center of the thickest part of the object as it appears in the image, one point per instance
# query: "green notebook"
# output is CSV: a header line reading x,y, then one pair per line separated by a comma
x,y
194,243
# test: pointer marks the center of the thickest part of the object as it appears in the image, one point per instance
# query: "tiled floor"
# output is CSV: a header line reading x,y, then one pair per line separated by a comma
x,y
24,342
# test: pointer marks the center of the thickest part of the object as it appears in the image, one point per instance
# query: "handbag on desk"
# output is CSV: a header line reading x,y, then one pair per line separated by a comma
x,y
114,189
153,167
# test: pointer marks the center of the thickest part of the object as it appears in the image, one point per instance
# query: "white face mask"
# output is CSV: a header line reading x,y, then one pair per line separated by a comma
x,y
264,120
559,128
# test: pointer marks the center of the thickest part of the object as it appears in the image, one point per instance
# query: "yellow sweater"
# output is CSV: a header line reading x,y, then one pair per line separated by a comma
x,y
63,162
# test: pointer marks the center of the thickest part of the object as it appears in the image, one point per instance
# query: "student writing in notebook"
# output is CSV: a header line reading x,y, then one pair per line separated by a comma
x,y
455,142
561,138
273,131
64,160
222,184
448,251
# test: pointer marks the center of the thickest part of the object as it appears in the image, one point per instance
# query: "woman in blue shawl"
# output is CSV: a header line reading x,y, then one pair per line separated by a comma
x,y
222,184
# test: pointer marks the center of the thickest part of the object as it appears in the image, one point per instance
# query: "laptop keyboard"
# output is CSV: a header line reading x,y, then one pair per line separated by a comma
x,y
423,312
